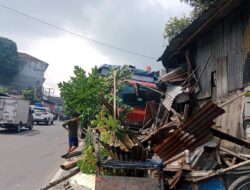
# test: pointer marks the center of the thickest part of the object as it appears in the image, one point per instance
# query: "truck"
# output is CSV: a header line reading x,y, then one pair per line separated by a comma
x,y
15,113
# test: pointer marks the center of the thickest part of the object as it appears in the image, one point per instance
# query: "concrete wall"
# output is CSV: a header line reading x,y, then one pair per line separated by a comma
x,y
31,74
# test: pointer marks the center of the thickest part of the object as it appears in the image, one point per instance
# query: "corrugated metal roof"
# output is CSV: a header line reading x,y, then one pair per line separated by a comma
x,y
205,21
126,150
171,93
176,75
195,132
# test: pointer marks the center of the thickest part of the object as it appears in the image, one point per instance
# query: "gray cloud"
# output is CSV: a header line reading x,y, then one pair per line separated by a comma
x,y
136,25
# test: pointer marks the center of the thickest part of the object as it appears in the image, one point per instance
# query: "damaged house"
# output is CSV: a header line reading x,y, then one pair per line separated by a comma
x,y
217,47
196,137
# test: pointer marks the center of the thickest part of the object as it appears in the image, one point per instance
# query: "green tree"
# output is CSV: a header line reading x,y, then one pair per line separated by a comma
x,y
8,60
3,90
29,94
199,6
175,26
83,93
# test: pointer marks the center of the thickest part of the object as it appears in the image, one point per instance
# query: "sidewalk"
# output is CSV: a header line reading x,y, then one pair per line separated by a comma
x,y
64,185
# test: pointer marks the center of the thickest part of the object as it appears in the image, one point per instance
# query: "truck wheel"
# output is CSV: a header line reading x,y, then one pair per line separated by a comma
x,y
52,122
242,183
18,128
30,127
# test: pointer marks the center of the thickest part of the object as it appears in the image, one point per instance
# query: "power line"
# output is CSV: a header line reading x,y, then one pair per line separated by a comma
x,y
75,34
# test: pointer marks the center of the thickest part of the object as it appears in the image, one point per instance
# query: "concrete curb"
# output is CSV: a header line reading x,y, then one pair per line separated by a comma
x,y
60,171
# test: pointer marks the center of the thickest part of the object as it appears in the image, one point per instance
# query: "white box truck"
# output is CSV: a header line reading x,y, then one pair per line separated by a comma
x,y
15,113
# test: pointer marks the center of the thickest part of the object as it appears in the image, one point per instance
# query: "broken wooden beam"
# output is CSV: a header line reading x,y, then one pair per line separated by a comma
x,y
230,138
54,183
222,171
69,165
73,154
233,153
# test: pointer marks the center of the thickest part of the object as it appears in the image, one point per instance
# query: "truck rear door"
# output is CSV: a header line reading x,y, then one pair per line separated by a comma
x,y
10,109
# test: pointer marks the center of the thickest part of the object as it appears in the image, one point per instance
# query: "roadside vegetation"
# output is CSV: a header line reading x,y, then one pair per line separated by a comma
x,y
92,95
9,65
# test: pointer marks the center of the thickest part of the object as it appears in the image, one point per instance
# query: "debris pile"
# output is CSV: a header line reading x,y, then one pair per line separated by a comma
x,y
180,144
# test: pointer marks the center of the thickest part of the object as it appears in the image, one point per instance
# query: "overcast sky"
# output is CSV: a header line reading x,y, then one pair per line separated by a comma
x,y
135,25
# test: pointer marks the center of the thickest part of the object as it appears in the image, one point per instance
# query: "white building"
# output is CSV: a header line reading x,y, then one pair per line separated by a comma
x,y
31,74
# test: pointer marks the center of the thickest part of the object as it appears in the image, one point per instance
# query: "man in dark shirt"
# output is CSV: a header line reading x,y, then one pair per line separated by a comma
x,y
72,127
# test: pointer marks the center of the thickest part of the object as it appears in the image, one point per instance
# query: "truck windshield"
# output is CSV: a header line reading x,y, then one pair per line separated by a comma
x,y
130,97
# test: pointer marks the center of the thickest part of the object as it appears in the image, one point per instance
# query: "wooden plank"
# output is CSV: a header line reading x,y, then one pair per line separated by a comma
x,y
221,77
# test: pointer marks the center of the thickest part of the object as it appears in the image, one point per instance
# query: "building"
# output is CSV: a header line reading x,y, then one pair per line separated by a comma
x,y
218,42
53,102
136,74
31,74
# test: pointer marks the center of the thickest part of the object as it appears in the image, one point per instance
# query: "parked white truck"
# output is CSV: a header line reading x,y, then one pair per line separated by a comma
x,y
15,113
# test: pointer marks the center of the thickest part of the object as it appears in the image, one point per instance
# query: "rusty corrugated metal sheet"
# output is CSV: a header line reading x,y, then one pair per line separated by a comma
x,y
176,75
170,95
195,132
126,150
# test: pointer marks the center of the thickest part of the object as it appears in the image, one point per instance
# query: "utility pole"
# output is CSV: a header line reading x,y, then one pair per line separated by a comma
x,y
50,91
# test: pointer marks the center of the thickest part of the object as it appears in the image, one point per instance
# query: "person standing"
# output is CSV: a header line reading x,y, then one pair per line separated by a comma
x,y
72,127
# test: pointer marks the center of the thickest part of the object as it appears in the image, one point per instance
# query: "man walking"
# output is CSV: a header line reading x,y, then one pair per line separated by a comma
x,y
72,127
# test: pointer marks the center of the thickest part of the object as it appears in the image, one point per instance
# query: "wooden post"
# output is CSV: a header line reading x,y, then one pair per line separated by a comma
x,y
69,165
73,154
97,150
115,107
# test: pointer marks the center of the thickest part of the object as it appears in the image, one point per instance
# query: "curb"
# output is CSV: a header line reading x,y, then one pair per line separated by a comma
x,y
60,171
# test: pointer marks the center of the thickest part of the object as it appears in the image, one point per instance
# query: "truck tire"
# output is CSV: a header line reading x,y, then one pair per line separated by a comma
x,y
30,127
241,183
18,128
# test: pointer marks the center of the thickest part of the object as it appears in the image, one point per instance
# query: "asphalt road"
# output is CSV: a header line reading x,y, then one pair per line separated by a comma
x,y
29,159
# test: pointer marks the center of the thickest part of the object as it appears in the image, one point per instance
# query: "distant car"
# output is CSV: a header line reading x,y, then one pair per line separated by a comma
x,y
64,117
42,115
